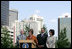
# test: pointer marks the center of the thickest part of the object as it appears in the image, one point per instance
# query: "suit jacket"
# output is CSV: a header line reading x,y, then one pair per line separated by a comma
x,y
42,40
19,38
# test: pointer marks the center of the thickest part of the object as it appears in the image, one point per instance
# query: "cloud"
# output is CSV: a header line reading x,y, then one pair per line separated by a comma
x,y
65,14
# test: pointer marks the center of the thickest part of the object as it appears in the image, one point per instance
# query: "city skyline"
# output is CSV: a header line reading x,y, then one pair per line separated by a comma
x,y
49,10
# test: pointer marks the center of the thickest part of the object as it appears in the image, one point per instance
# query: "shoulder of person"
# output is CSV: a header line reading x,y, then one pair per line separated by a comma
x,y
53,37
18,35
48,37
34,36
28,36
38,35
45,34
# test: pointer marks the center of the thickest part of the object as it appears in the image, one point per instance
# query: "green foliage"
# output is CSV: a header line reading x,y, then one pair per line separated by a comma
x,y
45,28
27,28
6,40
62,41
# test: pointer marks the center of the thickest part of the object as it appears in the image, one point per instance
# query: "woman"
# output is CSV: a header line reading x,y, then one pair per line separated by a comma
x,y
50,43
32,37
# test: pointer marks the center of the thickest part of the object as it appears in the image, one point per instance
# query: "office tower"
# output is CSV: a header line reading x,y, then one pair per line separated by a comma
x,y
13,15
5,13
65,23
39,21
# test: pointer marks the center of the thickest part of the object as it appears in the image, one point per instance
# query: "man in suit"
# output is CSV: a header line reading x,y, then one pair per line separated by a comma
x,y
21,37
42,38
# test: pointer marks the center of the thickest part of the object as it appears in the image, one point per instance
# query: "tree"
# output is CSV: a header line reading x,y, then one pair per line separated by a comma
x,y
45,28
27,28
6,40
62,41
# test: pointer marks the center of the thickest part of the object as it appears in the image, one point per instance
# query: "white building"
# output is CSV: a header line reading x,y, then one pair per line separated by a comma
x,y
38,19
17,27
35,22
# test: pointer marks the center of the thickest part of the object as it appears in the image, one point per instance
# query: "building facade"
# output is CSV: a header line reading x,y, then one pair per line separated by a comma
x,y
35,23
5,13
38,20
65,23
17,27
13,15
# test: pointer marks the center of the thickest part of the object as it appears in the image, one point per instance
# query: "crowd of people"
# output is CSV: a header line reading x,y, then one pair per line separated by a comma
x,y
42,40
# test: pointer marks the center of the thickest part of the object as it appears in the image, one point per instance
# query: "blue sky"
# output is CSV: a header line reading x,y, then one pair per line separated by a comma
x,y
49,10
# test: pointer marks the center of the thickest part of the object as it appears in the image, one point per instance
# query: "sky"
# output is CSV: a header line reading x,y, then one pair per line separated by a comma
x,y
49,10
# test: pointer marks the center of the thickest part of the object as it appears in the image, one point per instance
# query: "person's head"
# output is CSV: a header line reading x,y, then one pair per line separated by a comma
x,y
21,31
30,31
51,32
42,30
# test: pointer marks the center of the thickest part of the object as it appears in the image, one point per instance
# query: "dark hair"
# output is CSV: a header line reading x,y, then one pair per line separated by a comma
x,y
52,31
31,31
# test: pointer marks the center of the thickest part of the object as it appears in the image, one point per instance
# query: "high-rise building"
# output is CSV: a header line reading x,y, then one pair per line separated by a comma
x,y
13,15
65,23
39,21
8,17
5,13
